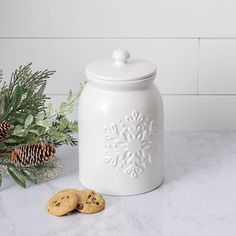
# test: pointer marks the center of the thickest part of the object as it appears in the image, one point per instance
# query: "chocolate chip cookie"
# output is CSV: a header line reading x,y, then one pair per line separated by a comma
x,y
90,202
62,203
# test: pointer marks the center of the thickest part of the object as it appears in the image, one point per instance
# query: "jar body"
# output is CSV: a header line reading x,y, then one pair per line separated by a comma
x,y
120,139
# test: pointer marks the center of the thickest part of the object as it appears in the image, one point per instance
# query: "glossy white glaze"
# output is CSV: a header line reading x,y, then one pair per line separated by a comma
x,y
121,128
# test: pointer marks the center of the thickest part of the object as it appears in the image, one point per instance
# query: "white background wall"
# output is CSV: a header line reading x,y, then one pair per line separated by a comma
x,y
193,43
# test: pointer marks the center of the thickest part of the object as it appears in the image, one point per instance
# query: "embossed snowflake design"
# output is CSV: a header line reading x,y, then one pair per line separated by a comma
x,y
130,143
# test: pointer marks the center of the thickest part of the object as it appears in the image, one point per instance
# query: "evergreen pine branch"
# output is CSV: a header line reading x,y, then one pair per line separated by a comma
x,y
25,92
24,104
2,84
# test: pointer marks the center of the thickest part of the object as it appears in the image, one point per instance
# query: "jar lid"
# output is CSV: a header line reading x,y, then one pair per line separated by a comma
x,y
121,68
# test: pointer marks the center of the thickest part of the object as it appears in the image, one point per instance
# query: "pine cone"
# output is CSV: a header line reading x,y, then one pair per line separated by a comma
x,y
4,129
32,154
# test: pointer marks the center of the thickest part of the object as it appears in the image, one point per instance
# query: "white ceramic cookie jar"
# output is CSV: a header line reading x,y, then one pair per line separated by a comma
x,y
121,127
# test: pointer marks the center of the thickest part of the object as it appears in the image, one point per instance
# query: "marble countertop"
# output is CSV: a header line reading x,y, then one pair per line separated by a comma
x,y
198,196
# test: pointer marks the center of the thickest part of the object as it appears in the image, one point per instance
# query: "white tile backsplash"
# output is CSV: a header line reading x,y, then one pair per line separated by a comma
x,y
110,18
176,59
217,66
192,42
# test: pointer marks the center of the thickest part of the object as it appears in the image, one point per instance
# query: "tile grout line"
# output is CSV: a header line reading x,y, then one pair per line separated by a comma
x,y
104,38
199,95
167,94
198,63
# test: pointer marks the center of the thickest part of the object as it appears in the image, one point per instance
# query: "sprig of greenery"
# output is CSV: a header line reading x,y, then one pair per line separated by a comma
x,y
3,84
56,126
23,174
33,119
25,93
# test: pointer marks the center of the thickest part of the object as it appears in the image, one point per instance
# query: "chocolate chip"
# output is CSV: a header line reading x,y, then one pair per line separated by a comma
x,y
58,204
67,197
62,198
94,200
97,203
89,196
80,206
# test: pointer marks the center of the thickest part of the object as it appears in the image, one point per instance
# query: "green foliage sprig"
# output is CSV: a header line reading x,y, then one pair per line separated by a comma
x,y
33,119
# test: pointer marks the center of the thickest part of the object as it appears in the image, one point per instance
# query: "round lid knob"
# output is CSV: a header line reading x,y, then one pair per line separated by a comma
x,y
120,69
120,56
